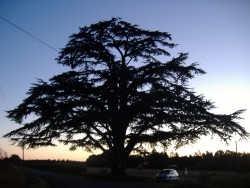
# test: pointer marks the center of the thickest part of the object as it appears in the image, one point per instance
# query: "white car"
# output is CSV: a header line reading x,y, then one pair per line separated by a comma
x,y
167,175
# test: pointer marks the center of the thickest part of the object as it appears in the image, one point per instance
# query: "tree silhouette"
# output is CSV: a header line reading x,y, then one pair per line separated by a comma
x,y
123,90
3,154
157,160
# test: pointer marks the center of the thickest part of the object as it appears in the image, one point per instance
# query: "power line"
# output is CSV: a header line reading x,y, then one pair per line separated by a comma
x,y
28,33
4,99
6,106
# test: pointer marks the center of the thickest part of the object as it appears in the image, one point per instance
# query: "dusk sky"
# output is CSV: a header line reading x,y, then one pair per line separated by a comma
x,y
215,33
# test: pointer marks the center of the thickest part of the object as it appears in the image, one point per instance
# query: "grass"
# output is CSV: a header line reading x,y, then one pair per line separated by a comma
x,y
66,167
211,180
38,183
12,177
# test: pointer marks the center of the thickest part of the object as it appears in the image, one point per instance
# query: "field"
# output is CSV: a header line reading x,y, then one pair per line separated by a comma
x,y
13,176
211,180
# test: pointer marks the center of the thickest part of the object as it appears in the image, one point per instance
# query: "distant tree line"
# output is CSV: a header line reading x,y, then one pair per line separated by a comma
x,y
4,159
219,161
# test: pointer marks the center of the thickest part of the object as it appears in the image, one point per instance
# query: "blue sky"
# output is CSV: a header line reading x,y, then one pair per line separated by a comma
x,y
215,33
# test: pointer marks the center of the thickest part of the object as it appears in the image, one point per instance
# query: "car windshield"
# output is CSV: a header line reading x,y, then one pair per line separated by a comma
x,y
165,171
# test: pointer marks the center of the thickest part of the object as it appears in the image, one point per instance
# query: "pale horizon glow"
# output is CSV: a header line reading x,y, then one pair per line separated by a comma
x,y
214,33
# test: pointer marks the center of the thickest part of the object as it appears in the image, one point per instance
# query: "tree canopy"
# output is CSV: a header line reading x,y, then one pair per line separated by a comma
x,y
123,89
207,161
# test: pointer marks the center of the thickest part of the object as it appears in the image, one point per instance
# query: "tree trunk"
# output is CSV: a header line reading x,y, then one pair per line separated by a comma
x,y
118,163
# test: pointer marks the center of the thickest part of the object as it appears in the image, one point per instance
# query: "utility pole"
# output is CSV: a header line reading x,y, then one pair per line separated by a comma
x,y
236,156
23,150
236,147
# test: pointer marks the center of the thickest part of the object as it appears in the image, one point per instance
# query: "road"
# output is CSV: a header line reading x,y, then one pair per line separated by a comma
x,y
57,180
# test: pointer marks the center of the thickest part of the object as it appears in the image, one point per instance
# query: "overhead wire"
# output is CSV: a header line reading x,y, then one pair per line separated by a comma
x,y
32,36
28,33
4,99
5,103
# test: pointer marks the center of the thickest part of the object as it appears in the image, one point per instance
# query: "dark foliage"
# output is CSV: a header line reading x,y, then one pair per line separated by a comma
x,y
220,161
123,90
13,159
61,166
